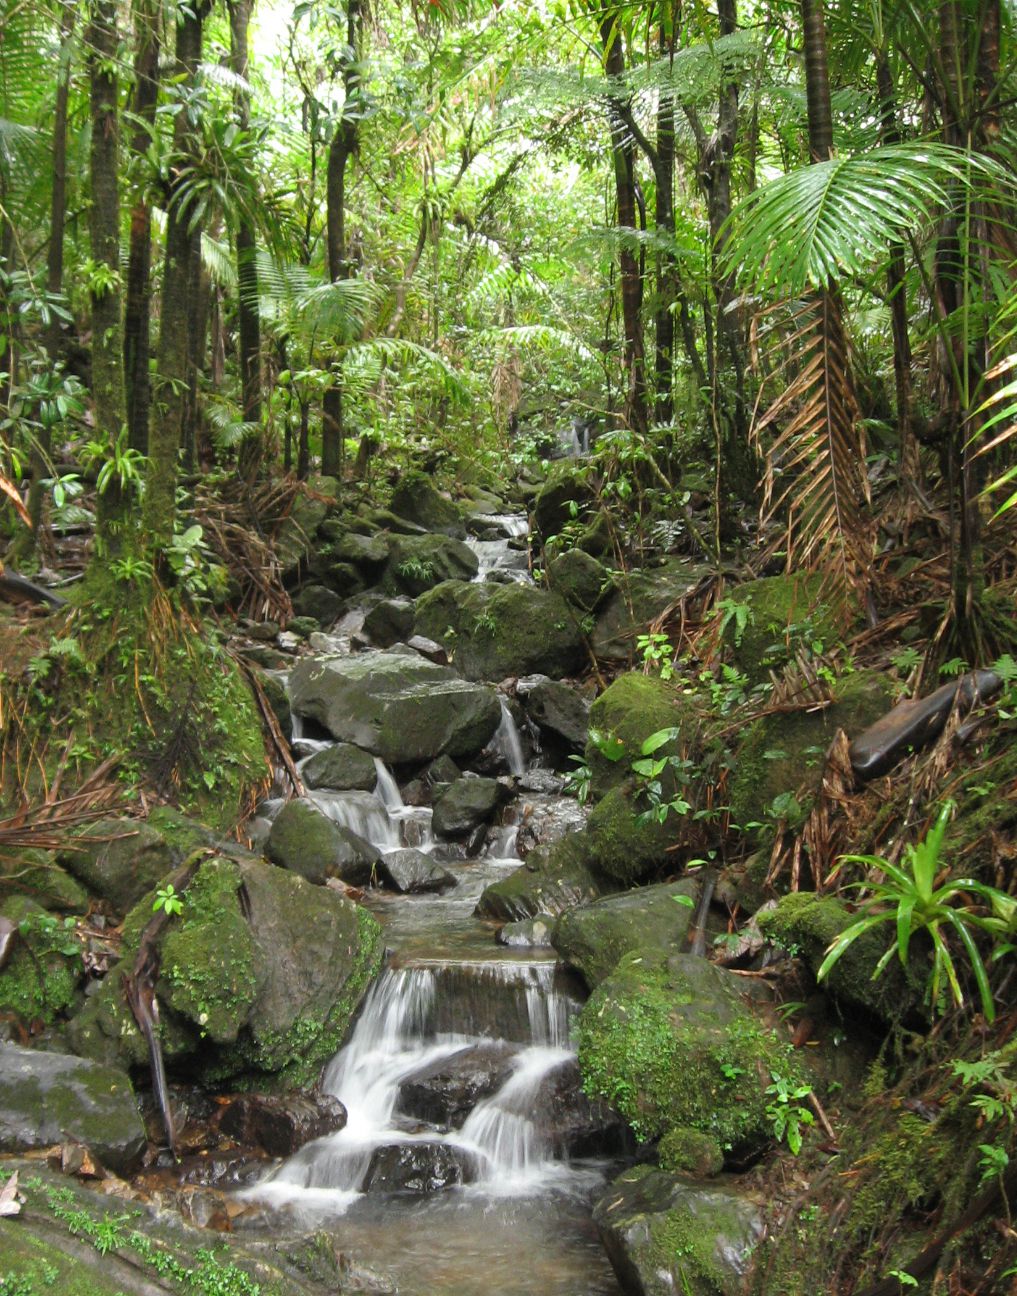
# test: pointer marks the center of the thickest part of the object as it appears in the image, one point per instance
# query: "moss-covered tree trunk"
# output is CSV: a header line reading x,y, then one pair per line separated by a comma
x,y
168,431
105,286
137,307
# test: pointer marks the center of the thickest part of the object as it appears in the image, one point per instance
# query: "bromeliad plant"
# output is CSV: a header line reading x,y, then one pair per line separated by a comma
x,y
909,897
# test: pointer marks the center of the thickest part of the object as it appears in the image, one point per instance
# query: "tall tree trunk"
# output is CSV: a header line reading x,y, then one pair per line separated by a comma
x,y
104,231
345,138
251,449
623,156
169,429
137,307
663,367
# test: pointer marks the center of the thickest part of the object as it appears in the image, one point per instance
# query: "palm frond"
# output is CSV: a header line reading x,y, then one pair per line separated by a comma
x,y
218,262
541,336
1003,407
339,310
822,222
398,354
814,466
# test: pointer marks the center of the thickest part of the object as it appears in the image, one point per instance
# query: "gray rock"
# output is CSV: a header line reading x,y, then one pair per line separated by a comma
x,y
48,1098
467,803
412,872
574,1124
417,499
644,1210
320,602
119,860
309,843
580,579
294,540
389,621
418,563
559,710
593,937
534,933
343,768
368,553
401,708
637,601
281,1123
551,881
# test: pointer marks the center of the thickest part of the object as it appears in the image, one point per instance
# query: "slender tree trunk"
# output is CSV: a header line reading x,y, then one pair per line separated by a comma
x,y
345,139
137,307
251,449
169,428
663,368
104,231
623,156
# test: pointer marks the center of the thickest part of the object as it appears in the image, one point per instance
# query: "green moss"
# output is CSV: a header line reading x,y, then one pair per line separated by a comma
x,y
42,975
690,1151
632,708
806,923
621,846
680,1245
36,873
669,1042
784,612
207,971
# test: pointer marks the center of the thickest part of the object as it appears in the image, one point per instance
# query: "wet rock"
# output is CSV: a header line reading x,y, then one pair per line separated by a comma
x,y
281,1123
411,872
560,711
497,631
466,804
445,1092
689,1151
48,1098
389,621
593,937
401,708
550,882
428,648
278,699
566,490
305,841
295,539
637,600
204,1208
367,553
527,932
303,626
320,602
418,500
343,768
418,1168
665,1234
419,563
574,1124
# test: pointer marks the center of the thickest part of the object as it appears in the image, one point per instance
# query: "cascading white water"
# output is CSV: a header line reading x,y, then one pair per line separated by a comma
x,y
362,813
387,789
507,741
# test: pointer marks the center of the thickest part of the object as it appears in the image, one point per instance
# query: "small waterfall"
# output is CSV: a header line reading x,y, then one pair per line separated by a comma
x,y
387,789
508,743
361,812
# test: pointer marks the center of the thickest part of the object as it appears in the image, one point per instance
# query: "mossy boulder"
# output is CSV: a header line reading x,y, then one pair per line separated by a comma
x,y
580,579
560,712
807,924
622,844
418,500
784,612
689,1151
419,563
396,705
294,540
367,553
259,976
465,805
638,598
671,1040
593,937
563,496
119,859
342,768
320,602
629,710
552,880
41,977
48,1098
666,1234
389,621
782,754
495,631
306,841
36,873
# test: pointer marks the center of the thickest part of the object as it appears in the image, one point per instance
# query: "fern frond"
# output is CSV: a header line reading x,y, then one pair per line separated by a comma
x,y
541,336
339,310
399,353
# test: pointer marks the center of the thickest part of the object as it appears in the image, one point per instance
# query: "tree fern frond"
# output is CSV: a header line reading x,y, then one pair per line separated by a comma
x,y
339,310
217,261
400,353
542,336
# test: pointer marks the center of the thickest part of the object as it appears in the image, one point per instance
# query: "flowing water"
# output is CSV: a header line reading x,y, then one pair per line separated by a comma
x,y
504,1214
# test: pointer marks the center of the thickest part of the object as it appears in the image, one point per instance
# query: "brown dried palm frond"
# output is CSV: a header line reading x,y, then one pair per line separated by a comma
x,y
814,467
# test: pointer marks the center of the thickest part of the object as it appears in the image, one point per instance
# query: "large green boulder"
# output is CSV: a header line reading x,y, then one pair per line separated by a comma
x,y
260,975
306,841
36,873
418,563
494,631
465,805
782,614
553,879
593,937
629,710
118,860
638,598
673,1040
342,768
807,924
396,705
295,538
667,1234
48,1098
418,500
781,755
624,843
562,498
580,579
